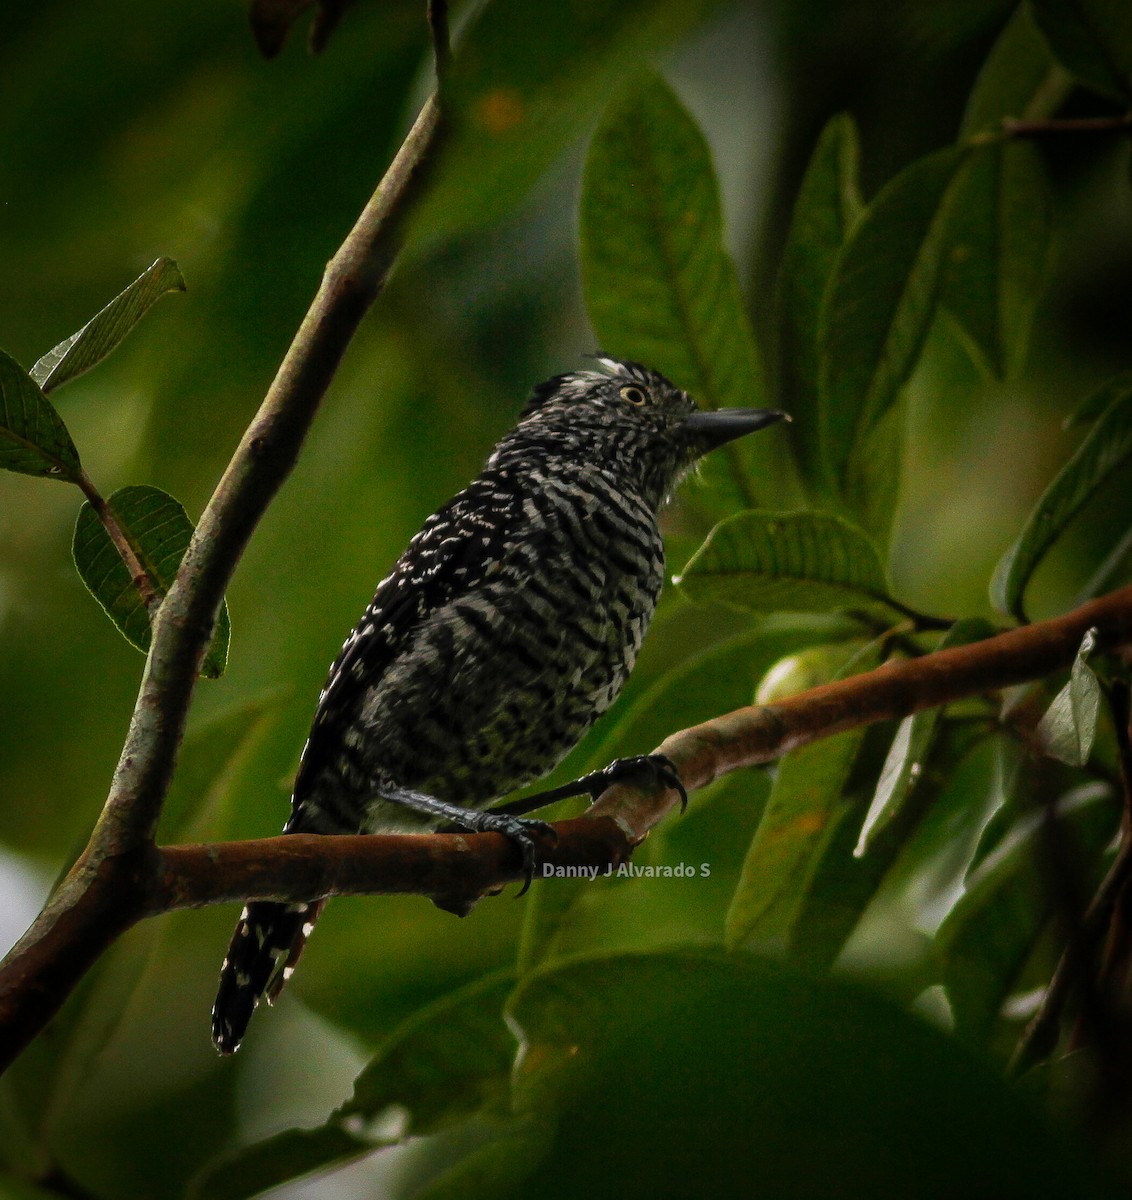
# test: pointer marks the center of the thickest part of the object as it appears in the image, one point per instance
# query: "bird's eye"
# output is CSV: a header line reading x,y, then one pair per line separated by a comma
x,y
634,395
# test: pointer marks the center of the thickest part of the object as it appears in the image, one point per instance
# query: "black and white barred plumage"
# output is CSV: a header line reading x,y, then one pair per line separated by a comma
x,y
509,624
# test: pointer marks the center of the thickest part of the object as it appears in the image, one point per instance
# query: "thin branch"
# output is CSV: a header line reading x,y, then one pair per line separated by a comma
x,y
1027,128
69,934
270,446
138,574
1121,123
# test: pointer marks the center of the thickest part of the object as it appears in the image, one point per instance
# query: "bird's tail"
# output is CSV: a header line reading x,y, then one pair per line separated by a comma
x,y
265,947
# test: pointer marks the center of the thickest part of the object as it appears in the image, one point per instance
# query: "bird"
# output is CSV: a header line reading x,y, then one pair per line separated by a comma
x,y
505,629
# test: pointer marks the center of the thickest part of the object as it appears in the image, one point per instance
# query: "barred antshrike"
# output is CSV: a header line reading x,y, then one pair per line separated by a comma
x,y
506,628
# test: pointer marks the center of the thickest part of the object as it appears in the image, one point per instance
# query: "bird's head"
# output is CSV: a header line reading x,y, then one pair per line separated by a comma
x,y
631,420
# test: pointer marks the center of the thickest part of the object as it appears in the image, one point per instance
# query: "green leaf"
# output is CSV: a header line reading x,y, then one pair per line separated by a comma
x,y
1067,729
209,765
1006,798
793,562
904,766
826,209
1095,403
1110,572
807,805
510,113
1019,79
1105,449
107,328
504,1161
1092,39
159,530
1001,238
989,934
876,315
42,1089
445,1062
659,286
33,438
1000,244
800,1088
279,1159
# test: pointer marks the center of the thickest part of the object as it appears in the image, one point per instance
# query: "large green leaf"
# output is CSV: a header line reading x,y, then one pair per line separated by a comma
x,y
808,804
792,562
107,328
1106,448
659,285
877,311
1092,39
159,531
444,1063
1000,244
33,438
621,1049
1006,902
1001,235
827,206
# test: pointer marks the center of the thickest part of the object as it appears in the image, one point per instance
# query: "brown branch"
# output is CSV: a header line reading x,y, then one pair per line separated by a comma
x,y
1121,123
456,869
263,460
98,898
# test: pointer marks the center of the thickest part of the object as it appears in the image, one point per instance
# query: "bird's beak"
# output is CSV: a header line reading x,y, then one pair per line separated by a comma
x,y
712,429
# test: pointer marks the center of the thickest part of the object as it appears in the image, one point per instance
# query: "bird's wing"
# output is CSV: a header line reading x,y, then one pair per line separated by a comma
x,y
456,549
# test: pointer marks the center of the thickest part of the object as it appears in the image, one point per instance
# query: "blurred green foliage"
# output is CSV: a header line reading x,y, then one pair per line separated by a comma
x,y
929,309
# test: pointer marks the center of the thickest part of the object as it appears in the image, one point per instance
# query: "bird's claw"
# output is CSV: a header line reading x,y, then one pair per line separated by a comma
x,y
659,766
525,833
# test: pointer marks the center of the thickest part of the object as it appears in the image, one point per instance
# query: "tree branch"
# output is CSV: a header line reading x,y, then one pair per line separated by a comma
x,y
72,929
456,869
263,460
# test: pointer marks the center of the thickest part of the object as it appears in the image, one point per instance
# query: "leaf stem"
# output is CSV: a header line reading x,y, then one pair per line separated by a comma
x,y
1018,128
1054,126
923,622
138,574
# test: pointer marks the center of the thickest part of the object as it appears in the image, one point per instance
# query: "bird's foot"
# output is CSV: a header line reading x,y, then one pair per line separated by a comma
x,y
524,832
656,768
